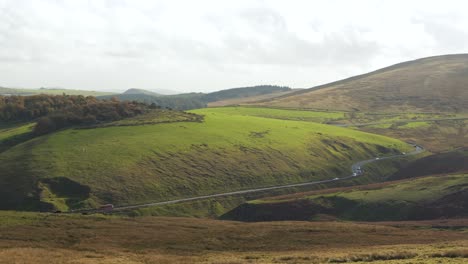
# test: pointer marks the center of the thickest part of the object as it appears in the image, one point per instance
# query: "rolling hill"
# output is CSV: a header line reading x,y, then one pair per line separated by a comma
x,y
249,99
244,92
433,84
200,100
140,91
183,101
441,196
455,161
141,162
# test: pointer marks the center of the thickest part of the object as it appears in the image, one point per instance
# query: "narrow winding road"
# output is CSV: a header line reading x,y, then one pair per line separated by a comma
x,y
356,170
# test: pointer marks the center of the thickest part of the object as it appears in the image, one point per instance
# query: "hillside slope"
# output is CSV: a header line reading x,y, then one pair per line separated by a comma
x,y
249,99
244,92
442,196
455,161
429,84
70,239
133,164
140,91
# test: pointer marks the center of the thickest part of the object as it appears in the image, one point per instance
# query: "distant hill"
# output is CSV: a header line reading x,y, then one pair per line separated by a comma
x,y
431,84
165,91
249,100
158,92
200,100
52,91
183,101
244,92
140,91
179,101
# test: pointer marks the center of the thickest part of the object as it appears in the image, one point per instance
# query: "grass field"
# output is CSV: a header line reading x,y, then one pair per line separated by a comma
x,y
278,113
155,117
7,132
419,190
436,136
13,134
421,198
134,164
48,238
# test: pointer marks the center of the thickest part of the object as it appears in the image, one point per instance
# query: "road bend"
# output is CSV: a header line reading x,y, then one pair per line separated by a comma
x,y
356,170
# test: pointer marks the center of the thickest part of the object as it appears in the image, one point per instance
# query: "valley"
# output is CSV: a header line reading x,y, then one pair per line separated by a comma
x,y
368,169
141,159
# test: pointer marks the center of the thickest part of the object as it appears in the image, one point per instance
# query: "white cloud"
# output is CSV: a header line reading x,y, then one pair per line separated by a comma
x,y
210,45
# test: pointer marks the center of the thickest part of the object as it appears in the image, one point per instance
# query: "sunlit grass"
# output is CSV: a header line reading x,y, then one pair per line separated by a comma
x,y
134,164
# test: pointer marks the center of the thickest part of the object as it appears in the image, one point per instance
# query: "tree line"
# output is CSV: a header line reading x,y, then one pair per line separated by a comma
x,y
54,112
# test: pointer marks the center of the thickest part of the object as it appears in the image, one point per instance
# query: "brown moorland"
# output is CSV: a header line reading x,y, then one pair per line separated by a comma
x,y
52,238
424,85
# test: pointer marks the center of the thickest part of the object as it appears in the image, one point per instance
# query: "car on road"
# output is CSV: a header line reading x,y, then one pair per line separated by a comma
x,y
106,208
354,174
335,179
377,158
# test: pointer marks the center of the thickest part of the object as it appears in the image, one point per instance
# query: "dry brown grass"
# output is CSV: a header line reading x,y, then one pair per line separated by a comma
x,y
430,84
437,137
246,100
93,239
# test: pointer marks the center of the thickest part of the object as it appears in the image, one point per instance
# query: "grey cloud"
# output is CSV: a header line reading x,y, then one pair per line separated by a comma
x,y
53,40
263,18
445,32
273,43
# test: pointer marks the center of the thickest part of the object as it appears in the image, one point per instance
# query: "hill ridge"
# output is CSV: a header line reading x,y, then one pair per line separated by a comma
x,y
434,80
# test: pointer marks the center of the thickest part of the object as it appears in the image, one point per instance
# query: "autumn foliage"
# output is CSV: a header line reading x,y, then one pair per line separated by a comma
x,y
53,112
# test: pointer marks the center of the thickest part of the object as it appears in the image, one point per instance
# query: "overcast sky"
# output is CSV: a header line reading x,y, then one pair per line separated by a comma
x,y
212,45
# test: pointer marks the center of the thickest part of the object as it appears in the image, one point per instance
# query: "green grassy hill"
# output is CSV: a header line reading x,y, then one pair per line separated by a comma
x,y
137,163
429,84
12,134
442,196
283,114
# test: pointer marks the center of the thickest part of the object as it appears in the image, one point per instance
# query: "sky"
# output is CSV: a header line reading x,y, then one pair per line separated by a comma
x,y
201,46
